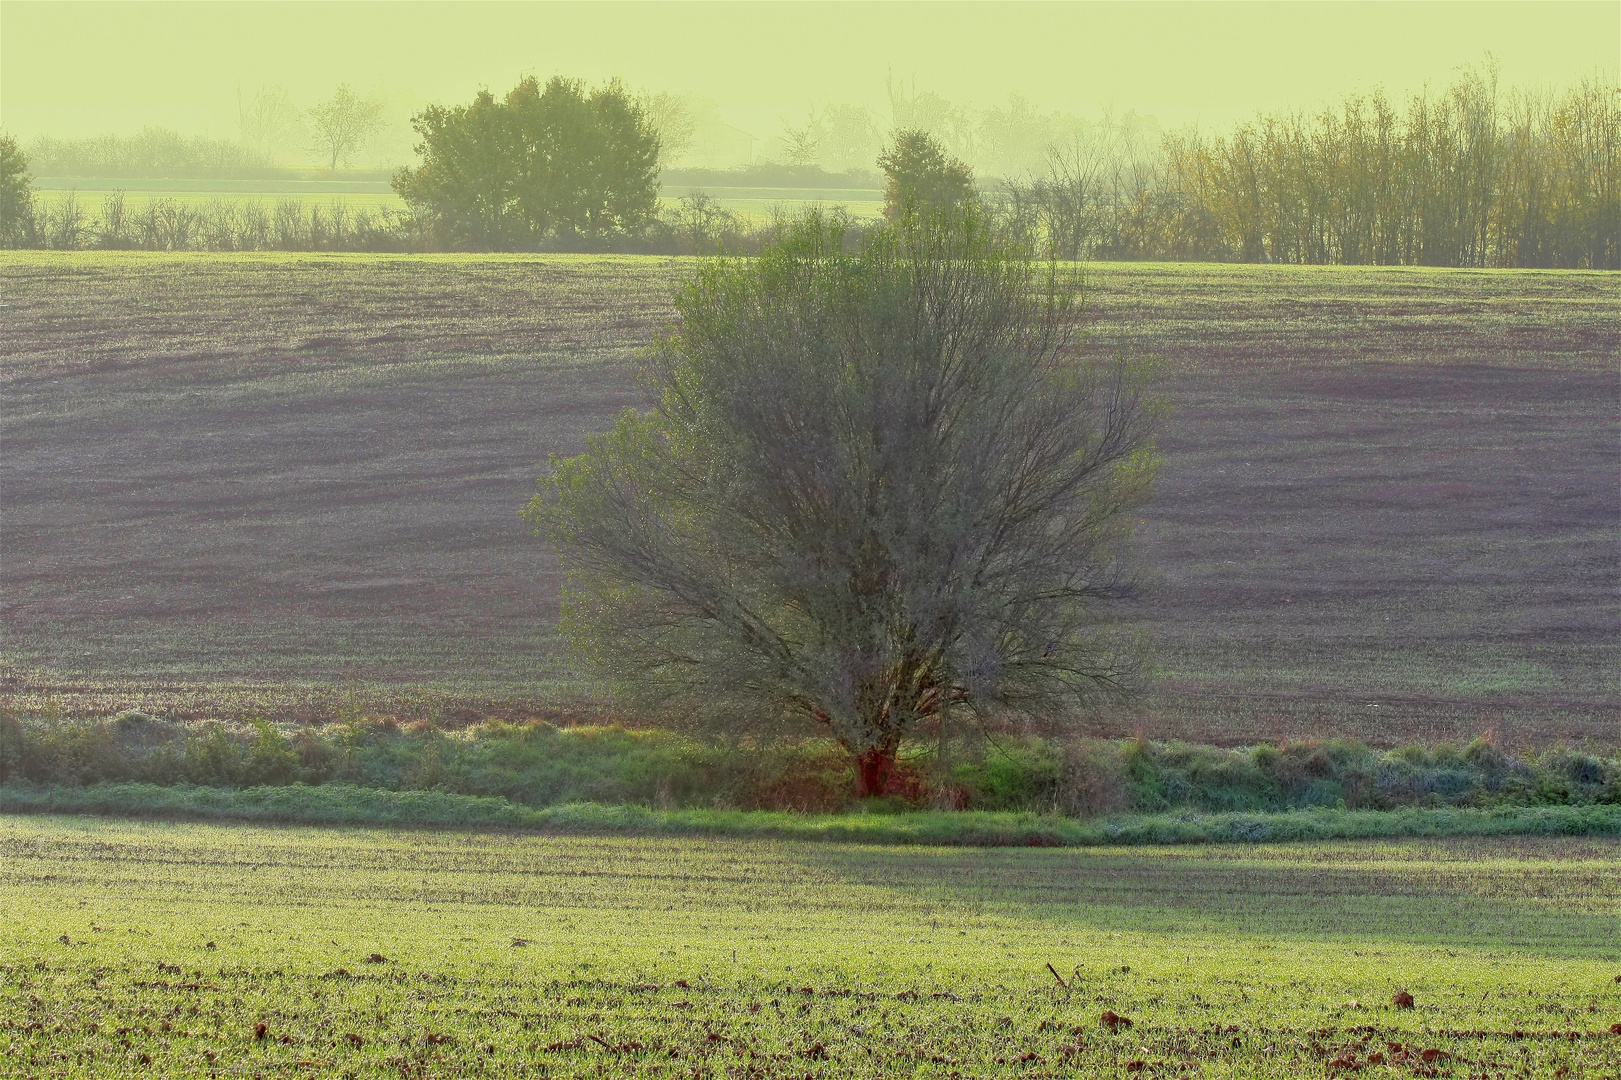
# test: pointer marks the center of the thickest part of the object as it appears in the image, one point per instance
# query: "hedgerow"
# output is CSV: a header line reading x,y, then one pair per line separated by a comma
x,y
539,765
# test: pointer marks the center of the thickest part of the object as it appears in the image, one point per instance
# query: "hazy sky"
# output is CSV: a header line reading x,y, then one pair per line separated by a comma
x,y
76,69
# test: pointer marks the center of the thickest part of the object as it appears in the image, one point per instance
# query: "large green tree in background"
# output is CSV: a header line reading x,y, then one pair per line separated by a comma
x,y
877,489
919,175
562,160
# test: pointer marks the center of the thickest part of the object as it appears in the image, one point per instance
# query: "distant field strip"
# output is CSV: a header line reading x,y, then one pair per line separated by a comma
x,y
163,948
92,200
754,205
264,484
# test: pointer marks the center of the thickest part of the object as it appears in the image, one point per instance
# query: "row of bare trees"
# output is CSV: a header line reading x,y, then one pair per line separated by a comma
x,y
694,225
223,224
1469,177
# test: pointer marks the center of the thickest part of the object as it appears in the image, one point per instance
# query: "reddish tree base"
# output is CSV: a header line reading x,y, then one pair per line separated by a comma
x,y
875,771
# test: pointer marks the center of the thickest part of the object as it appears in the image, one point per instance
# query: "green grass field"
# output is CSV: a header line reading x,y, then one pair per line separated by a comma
x,y
141,948
286,486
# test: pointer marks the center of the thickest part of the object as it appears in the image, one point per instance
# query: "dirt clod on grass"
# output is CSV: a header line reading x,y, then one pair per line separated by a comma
x,y
1114,1021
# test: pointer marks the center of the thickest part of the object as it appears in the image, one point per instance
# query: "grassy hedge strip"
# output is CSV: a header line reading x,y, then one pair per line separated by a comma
x,y
347,804
538,765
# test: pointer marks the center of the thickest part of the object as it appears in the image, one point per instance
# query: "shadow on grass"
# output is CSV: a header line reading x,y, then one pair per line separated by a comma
x,y
1394,877
1544,896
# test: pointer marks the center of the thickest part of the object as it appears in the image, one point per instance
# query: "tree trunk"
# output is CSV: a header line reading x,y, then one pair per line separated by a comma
x,y
875,768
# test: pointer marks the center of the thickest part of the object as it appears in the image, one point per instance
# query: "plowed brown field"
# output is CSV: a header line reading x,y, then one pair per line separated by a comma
x,y
290,484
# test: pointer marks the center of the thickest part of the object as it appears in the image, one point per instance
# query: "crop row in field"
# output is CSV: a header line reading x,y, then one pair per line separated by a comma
x,y
286,485
197,950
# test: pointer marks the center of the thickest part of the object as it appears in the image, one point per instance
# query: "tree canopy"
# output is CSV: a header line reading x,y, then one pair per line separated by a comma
x,y
343,124
876,487
16,196
562,160
919,175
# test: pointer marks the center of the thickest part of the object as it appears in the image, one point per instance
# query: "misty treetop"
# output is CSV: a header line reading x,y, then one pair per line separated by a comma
x,y
341,124
876,489
558,161
919,176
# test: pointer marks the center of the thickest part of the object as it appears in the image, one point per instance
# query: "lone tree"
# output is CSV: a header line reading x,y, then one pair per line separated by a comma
x,y
876,488
672,121
920,176
270,122
344,123
558,160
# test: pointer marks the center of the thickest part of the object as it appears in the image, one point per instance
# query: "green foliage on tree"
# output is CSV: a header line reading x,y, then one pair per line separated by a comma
x,y
558,161
876,489
920,175
17,225
466,182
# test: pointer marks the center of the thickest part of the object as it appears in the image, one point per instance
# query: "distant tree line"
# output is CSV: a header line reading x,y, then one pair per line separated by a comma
x,y
151,152
1464,178
271,127
121,223
1005,140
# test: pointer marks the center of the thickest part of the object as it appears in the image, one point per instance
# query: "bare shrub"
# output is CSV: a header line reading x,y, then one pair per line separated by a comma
x,y
112,229
167,225
320,229
698,225
288,228
340,231
254,226
65,225
217,225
